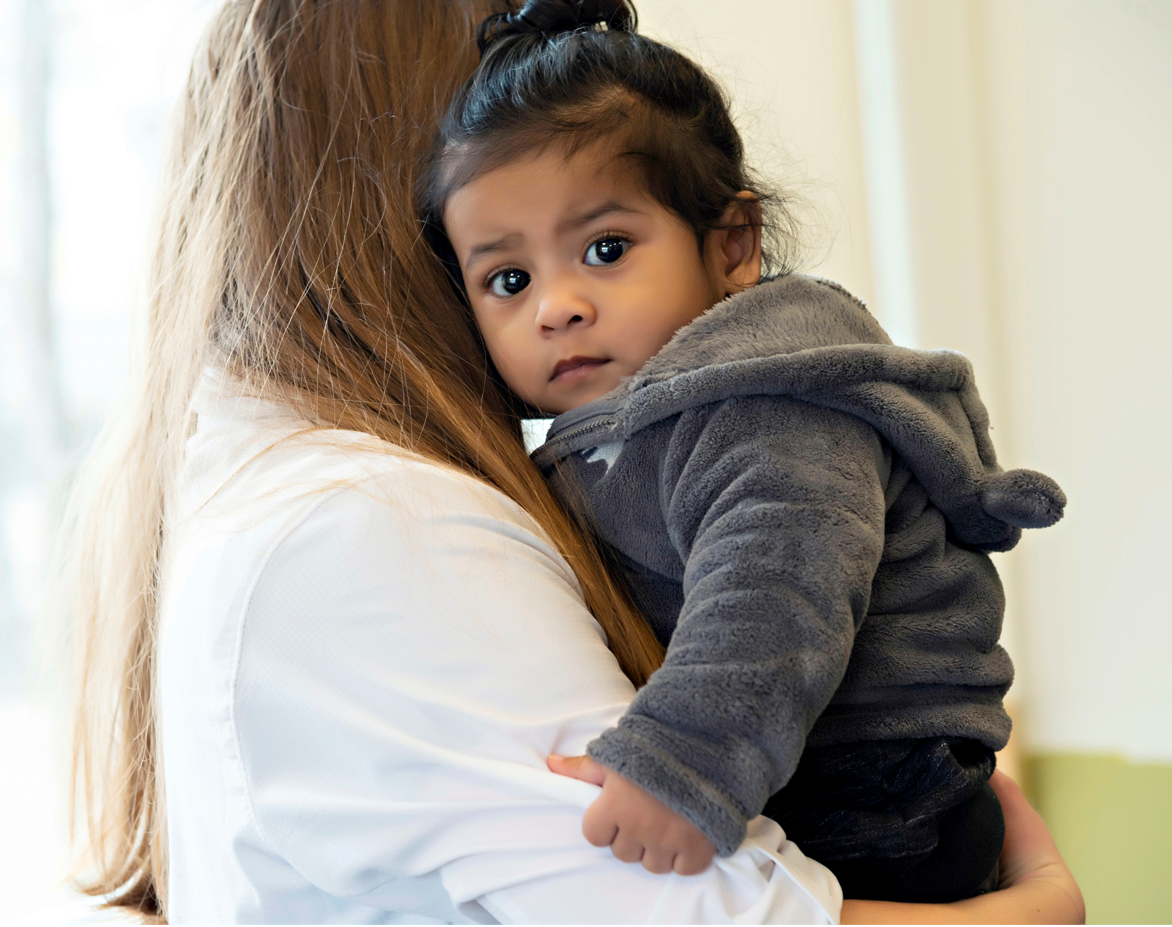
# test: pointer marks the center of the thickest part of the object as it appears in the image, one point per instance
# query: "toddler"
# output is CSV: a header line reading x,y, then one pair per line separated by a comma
x,y
802,509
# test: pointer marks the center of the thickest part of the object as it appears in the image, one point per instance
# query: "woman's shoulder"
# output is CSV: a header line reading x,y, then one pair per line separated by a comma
x,y
250,456
365,658
267,505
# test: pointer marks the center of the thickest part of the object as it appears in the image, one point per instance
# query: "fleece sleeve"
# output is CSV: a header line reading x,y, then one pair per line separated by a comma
x,y
776,509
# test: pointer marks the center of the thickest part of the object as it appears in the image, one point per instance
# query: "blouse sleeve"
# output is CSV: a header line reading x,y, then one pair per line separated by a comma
x,y
411,652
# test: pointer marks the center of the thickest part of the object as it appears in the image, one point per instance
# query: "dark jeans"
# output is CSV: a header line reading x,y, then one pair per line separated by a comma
x,y
897,820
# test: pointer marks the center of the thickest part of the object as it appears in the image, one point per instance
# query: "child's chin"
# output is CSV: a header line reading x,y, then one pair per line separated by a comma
x,y
578,401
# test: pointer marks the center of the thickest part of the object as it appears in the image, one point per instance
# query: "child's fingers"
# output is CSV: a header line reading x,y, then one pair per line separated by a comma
x,y
598,827
658,860
627,848
577,767
692,860
689,866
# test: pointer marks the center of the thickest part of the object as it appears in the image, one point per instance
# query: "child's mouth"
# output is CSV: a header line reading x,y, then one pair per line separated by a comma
x,y
576,368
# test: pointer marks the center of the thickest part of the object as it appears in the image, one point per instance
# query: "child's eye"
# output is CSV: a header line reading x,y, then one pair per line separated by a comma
x,y
606,251
509,282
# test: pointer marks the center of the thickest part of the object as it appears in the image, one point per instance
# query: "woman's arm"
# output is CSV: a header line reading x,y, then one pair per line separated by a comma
x,y
1037,887
410,655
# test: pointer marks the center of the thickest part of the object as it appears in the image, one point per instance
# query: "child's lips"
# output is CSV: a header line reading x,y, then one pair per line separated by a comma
x,y
576,368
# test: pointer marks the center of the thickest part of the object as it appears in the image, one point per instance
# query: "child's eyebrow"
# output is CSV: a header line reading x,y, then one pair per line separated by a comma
x,y
574,222
566,225
489,247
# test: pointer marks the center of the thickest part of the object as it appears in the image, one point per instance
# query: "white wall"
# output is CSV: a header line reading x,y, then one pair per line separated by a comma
x,y
1086,240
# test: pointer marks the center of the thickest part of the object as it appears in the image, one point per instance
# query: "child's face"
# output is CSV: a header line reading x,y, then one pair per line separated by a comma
x,y
576,275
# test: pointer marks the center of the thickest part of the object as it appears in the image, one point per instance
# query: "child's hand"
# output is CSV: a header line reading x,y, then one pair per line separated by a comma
x,y
636,827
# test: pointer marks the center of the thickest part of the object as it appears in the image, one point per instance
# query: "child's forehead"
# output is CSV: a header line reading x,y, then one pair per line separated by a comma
x,y
550,181
597,161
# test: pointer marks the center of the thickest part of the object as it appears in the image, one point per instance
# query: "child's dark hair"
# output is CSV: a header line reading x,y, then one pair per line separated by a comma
x,y
572,72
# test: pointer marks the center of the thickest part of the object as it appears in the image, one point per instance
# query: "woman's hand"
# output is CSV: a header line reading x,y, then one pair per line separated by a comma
x,y
1036,887
1030,854
637,827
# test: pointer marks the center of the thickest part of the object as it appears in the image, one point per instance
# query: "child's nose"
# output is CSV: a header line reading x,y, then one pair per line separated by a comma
x,y
564,307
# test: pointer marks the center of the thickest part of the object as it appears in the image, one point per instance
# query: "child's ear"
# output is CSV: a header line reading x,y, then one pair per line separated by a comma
x,y
733,250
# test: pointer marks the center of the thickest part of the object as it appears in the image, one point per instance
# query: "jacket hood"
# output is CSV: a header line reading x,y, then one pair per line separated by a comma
x,y
809,339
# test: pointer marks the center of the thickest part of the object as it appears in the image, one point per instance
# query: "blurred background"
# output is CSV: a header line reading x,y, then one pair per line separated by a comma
x,y
990,175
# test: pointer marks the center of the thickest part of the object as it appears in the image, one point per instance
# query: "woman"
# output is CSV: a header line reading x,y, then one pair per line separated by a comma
x,y
327,607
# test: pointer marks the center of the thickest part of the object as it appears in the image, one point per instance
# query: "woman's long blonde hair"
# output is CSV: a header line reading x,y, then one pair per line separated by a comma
x,y
289,253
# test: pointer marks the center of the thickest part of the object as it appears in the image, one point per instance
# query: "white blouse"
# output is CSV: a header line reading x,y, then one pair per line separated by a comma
x,y
364,661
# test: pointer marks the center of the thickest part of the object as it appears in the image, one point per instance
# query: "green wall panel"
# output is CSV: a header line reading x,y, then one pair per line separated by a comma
x,y
1112,821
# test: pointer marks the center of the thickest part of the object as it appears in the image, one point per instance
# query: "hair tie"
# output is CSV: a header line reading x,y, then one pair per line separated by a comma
x,y
552,17
498,26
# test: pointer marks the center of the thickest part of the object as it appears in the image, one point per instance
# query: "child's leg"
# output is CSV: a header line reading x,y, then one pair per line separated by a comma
x,y
963,864
908,820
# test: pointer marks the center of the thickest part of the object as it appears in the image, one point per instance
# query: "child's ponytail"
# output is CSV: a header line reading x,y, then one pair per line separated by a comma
x,y
550,17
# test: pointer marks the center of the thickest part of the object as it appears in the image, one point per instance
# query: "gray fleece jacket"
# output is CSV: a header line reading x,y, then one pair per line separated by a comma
x,y
804,511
